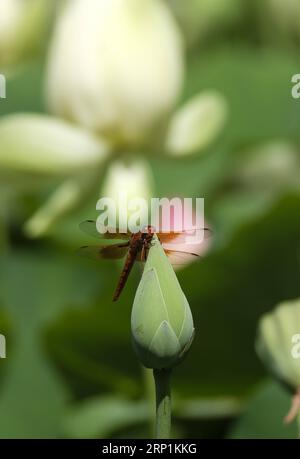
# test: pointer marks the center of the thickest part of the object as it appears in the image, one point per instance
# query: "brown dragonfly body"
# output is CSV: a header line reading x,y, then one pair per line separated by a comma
x,y
138,248
135,248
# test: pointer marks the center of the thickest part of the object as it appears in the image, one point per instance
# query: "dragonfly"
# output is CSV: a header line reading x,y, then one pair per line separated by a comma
x,y
135,246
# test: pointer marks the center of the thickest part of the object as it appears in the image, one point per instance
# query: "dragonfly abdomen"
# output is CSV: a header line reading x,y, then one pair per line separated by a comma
x,y
129,262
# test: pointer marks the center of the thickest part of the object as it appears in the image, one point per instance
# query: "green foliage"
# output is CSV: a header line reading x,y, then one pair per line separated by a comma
x,y
70,367
263,416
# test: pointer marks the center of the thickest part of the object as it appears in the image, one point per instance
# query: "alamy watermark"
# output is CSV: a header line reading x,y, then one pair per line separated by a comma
x,y
296,88
295,351
2,86
2,347
162,214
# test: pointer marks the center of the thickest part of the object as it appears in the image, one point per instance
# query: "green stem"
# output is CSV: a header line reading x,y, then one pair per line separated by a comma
x,y
150,397
163,403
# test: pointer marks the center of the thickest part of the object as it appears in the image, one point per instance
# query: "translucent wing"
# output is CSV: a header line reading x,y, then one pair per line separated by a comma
x,y
181,259
100,252
184,236
89,227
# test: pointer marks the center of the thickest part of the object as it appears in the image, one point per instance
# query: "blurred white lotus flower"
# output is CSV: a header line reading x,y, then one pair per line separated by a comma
x,y
63,199
134,177
129,180
36,147
42,145
22,23
196,124
115,67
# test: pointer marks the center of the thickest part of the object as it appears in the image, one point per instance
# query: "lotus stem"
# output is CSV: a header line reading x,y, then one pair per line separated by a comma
x,y
163,403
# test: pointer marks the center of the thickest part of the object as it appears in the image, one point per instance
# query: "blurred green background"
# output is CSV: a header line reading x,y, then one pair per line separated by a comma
x,y
70,369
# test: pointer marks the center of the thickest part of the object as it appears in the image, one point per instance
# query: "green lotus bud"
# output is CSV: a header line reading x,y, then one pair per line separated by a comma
x,y
161,321
276,342
278,345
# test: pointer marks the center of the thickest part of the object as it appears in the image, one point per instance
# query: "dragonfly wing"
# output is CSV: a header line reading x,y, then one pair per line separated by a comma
x,y
100,252
89,227
180,237
181,259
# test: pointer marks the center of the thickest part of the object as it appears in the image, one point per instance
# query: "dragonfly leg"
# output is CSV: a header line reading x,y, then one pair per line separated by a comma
x,y
143,253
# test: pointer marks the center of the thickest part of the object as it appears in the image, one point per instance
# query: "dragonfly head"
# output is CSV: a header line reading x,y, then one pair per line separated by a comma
x,y
149,230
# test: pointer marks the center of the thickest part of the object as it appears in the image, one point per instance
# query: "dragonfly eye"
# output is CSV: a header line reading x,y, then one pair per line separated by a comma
x,y
151,229
148,230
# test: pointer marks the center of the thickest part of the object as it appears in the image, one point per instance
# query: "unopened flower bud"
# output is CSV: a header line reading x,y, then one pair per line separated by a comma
x,y
275,343
196,124
161,321
278,345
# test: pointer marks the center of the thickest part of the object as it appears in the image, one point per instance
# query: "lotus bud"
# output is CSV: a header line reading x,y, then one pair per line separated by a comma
x,y
115,67
161,321
196,124
22,24
39,145
278,345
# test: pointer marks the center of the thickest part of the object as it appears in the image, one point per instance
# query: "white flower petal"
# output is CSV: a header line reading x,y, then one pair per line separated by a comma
x,y
196,124
62,200
115,66
40,144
